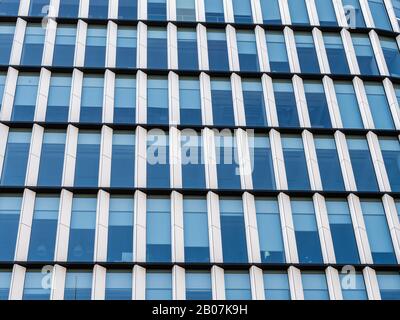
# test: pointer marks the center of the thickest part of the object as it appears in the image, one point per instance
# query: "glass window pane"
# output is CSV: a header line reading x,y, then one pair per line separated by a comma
x,y
69,8
187,49
6,39
123,160
78,285
10,208
185,10
59,98
353,12
198,285
326,12
392,55
228,174
157,48
277,52
95,51
390,149
242,11
158,285
298,12
276,285
317,104
222,103
379,14
214,10
270,11
353,286
5,281
237,286
157,100
306,52
98,9
126,47
379,106
365,55
254,105
34,288
118,285
336,53
190,101
348,105
314,286
262,165
64,47
193,170
125,100
389,285
217,50
25,97
33,45
158,175
157,10
127,9
285,102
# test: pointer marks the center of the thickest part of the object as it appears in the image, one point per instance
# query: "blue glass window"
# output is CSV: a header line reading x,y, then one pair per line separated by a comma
x,y
33,287
353,12
348,105
5,281
127,9
185,10
123,160
44,228
295,163
270,11
285,102
262,166
38,8
157,100
157,48
10,208
329,164
353,286
392,55
198,285
158,160
344,241
158,285
92,99
6,40
379,106
59,98
336,53
125,99
158,229
242,11
247,50
326,12
233,231
96,41
269,231
16,158
396,7
314,286
195,222
187,49
126,47
389,285
379,14
391,156
98,9
254,105
9,7
222,103
317,105
306,52
52,159
237,286
157,10
64,47
82,229
306,230
276,285
277,54
25,97
217,50
298,12
120,230
227,164
118,285
361,162
365,55
378,232
69,8
78,285
33,45
87,160
193,171
214,10
190,101
2,86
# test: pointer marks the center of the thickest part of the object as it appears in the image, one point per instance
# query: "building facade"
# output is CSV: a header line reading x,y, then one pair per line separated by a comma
x,y
199,149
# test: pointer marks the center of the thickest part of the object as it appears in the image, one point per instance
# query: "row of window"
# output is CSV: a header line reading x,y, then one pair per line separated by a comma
x,y
198,285
216,11
251,58
80,241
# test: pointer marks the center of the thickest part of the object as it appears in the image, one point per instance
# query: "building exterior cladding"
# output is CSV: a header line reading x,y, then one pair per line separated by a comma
x,y
93,91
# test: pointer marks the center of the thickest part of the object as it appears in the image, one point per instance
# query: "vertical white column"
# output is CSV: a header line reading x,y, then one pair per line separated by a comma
x,y
392,15
312,12
277,160
393,102
295,284
363,103
17,282
80,46
76,94
250,220
141,59
175,158
139,283
393,222
202,47
173,97
291,50
111,50
256,11
218,283
232,48
24,8
237,99
301,102
210,158
140,158
206,103
142,9
178,283
333,281
379,57
244,159
333,106
35,150
371,284
63,226
83,9
3,144
141,97
178,250
171,10
140,227
105,157
311,161
200,11
269,101
172,40
108,98
49,42
257,283
228,11
369,21
99,283
42,96
113,9
345,162
214,228
71,145
58,283
285,13
101,236
350,52
262,50
9,94
340,14
321,51
18,41
54,8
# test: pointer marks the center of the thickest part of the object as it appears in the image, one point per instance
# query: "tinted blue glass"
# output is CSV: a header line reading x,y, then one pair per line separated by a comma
x,y
227,163
392,55
2,85
396,7
222,103
5,280
298,12
158,285
336,53
317,105
25,97
389,285
52,159
82,229
326,12
120,230
127,9
78,285
237,286
91,110
95,51
378,232
158,161
305,227
118,285
33,288
276,285
98,9
379,14
157,48
6,41
16,158
342,231
156,10
44,228
391,155
10,208
187,49
365,55
329,164
125,99
353,286
217,50
38,7
123,160
233,231
270,11
185,10
314,286
285,102
9,7
214,10
69,8
254,105
33,45
157,100
126,47
295,163
247,50
353,12
190,101
198,285
59,98
64,47
269,231
195,221
306,52
348,105
193,171
361,162
87,160
158,229
262,166
242,11
277,54
379,105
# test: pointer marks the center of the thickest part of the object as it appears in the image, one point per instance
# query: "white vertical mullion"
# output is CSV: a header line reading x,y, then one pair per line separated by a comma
x,y
175,158
17,282
101,236
228,11
369,21
4,130
277,160
206,103
262,50
311,160
269,101
202,47
210,158
244,159
291,50
80,46
172,40
393,102
18,42
257,283
301,102
58,282
83,9
232,48
42,95
113,9
321,51
345,161
333,281
105,157
99,282
142,9
141,157
139,239
9,94
63,226
171,10
371,284
200,11
71,145
250,219
295,283
111,49
49,42
178,283
177,236
237,99
141,59
214,228
256,11
331,99
173,96
350,52
312,12
392,15
76,95
379,57
24,8
363,103
141,97
284,11
393,222
340,14
218,283
32,171
139,283
109,95
54,8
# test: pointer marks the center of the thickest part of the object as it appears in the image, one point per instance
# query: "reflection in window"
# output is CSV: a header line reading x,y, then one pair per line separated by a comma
x,y
365,55
353,12
353,286
38,8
